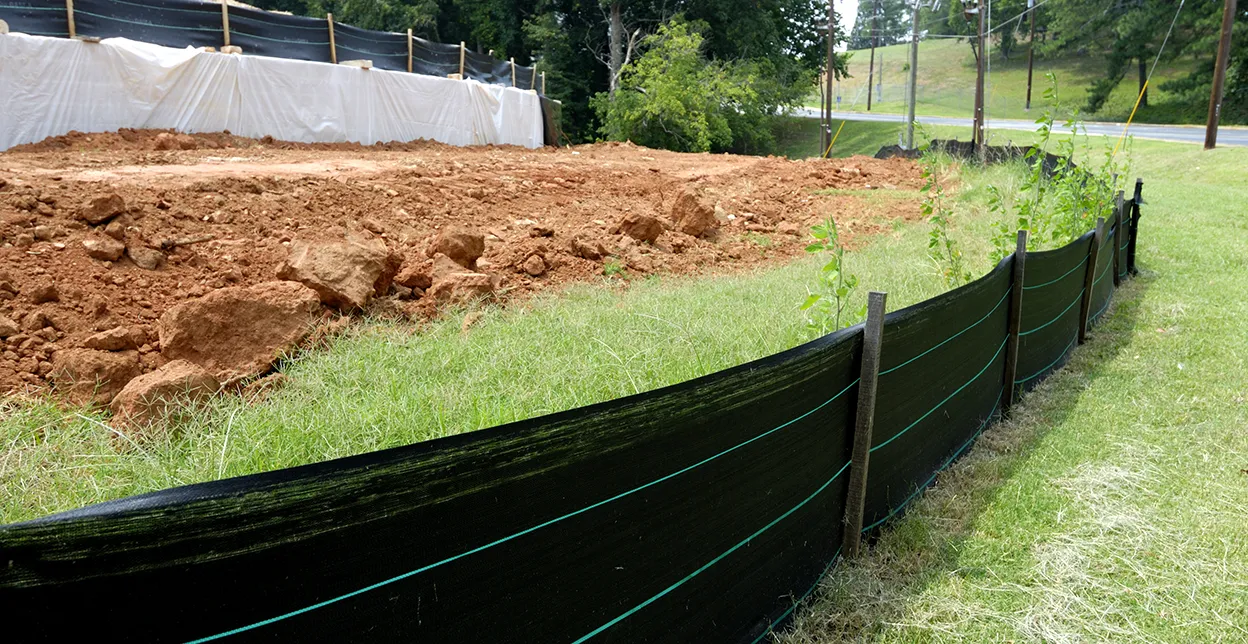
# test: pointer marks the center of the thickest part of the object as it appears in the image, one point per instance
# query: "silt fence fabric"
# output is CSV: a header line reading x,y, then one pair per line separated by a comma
x,y
705,511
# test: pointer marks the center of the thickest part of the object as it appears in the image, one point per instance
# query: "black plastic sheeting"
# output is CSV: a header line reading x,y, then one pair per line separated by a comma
x,y
183,23
279,36
704,511
1052,294
698,512
35,17
942,366
172,23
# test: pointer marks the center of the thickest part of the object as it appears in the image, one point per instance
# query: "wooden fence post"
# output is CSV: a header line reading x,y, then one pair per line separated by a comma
x,y
225,21
1118,235
409,51
333,47
543,83
462,50
1135,225
533,80
1085,305
872,337
1015,320
513,72
69,16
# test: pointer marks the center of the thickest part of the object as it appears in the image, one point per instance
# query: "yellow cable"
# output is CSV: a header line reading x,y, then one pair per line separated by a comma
x,y
1129,118
834,137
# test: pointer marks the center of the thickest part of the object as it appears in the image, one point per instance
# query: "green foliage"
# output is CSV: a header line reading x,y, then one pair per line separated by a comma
x,y
826,307
941,248
1059,208
672,97
613,267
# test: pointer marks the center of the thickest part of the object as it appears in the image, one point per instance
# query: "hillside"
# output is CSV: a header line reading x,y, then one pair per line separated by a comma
x,y
947,84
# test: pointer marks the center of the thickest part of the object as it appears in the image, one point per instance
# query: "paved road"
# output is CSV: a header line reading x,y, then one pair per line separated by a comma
x,y
1179,133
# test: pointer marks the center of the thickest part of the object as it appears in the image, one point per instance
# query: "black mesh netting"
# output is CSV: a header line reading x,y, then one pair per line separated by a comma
x,y
194,23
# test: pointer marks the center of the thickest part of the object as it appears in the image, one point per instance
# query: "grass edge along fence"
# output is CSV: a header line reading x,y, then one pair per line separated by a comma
x,y
703,511
208,23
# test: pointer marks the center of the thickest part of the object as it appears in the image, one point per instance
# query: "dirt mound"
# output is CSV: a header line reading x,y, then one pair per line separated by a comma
x,y
186,223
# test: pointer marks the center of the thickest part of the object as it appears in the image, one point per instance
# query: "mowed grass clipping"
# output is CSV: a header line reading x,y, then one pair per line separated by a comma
x,y
1114,504
388,384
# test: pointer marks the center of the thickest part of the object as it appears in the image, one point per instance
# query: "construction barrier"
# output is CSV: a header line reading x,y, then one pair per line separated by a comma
x,y
51,86
704,511
192,23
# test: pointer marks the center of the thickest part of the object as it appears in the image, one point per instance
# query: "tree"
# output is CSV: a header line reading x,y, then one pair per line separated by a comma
x,y
673,97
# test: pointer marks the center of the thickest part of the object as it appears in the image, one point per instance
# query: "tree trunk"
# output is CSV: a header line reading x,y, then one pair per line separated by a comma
x,y
616,32
1143,79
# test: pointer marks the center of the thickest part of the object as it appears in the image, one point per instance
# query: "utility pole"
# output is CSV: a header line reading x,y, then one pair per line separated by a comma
x,y
979,78
1031,49
875,14
1219,76
831,71
912,88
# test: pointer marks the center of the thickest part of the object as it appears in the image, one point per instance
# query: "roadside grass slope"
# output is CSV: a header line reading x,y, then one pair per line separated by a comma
x,y
946,82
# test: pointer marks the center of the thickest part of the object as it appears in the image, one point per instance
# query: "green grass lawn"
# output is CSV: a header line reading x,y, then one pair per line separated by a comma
x,y
1112,507
946,85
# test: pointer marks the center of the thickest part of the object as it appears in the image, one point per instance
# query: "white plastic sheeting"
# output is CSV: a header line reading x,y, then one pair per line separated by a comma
x,y
50,86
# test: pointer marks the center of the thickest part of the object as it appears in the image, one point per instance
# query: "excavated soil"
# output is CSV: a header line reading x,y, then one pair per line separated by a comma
x,y
224,210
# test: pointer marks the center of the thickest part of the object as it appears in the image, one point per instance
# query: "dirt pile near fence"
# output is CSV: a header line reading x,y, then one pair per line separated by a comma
x,y
103,236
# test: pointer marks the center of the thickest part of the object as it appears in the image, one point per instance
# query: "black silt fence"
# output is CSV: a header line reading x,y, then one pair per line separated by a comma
x,y
35,17
704,511
182,23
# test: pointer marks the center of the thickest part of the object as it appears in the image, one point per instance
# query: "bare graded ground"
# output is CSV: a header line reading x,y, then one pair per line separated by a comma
x,y
223,211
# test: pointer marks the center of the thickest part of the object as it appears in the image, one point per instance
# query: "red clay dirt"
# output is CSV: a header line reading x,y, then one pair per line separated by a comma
x,y
203,212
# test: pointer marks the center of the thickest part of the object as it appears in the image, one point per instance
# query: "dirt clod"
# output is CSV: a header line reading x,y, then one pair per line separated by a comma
x,y
535,265
692,215
148,259
640,227
153,396
42,291
120,338
460,244
461,288
345,274
102,208
86,376
104,248
239,332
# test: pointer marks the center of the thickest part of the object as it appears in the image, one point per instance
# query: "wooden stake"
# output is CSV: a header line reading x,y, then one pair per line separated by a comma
x,y
69,15
409,51
462,51
543,83
1015,320
1117,240
872,336
1085,304
533,81
513,72
333,47
225,21
1135,225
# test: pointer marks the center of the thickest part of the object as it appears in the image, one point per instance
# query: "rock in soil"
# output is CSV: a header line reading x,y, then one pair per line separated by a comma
x,y
239,332
121,338
693,217
102,208
640,227
146,258
534,265
87,376
104,249
7,327
463,246
461,288
345,274
153,396
42,291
